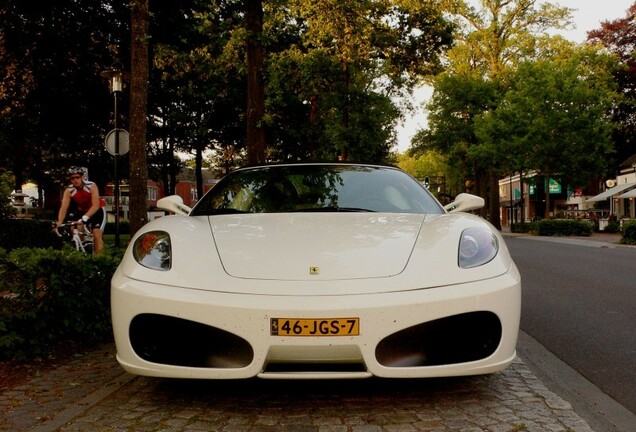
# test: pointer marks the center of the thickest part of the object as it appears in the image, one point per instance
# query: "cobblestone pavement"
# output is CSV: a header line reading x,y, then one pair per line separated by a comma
x,y
93,393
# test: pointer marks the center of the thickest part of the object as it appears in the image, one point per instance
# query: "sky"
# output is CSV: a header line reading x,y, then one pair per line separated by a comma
x,y
587,16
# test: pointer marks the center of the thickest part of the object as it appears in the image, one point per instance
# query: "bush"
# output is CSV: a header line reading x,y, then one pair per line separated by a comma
x,y
49,296
521,228
629,233
18,233
612,227
562,227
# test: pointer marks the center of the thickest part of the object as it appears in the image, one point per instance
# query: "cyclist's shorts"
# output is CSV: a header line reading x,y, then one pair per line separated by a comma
x,y
99,219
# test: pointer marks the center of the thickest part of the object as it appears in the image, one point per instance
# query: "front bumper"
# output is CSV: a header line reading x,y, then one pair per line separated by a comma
x,y
168,331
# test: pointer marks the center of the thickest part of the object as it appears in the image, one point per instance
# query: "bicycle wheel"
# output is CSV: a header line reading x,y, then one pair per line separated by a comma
x,y
88,247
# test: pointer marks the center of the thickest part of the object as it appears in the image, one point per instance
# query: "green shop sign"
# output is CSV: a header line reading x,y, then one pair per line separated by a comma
x,y
554,187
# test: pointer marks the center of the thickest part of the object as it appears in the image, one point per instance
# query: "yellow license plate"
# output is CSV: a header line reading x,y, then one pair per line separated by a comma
x,y
315,326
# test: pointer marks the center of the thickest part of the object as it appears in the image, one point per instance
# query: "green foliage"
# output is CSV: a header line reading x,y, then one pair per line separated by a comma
x,y
456,104
629,233
499,33
50,296
18,233
554,118
562,227
521,227
53,105
6,187
618,37
430,163
612,227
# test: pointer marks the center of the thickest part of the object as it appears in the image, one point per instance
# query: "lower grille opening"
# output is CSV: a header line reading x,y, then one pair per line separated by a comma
x,y
315,367
456,339
178,342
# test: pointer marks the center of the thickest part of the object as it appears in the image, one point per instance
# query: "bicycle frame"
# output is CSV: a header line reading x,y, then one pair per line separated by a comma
x,y
81,236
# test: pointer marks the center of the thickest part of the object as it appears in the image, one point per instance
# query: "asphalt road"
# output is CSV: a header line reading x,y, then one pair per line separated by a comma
x,y
580,303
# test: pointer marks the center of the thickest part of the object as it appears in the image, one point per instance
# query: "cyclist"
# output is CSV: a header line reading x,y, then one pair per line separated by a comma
x,y
84,195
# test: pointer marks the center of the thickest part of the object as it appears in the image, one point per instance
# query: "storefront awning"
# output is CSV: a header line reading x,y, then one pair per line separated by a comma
x,y
630,194
611,192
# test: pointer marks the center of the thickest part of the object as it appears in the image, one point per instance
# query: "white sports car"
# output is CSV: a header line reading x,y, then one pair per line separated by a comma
x,y
316,271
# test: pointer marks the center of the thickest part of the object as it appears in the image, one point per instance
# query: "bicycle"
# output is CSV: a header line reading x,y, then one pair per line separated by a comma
x,y
79,235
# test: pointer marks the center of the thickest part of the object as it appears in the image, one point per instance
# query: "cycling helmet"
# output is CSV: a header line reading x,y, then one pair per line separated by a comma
x,y
76,170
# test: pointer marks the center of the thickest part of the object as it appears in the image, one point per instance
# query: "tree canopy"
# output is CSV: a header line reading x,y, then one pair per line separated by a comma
x,y
554,120
328,72
324,87
619,37
515,99
53,105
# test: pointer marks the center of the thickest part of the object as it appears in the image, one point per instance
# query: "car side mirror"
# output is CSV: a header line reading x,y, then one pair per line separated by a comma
x,y
174,204
465,202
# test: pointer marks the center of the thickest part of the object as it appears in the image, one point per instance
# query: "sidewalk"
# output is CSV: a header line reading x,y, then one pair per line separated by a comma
x,y
605,239
93,393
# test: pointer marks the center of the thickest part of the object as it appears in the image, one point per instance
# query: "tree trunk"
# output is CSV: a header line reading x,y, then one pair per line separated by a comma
x,y
313,132
198,170
523,199
255,87
344,155
546,186
138,114
480,188
165,165
493,190
173,168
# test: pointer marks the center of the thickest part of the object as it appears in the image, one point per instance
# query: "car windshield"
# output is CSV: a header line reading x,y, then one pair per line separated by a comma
x,y
317,188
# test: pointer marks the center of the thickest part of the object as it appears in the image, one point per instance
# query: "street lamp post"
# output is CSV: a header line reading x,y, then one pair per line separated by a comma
x,y
116,76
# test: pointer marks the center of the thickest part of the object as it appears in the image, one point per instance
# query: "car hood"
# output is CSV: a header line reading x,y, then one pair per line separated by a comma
x,y
352,253
310,246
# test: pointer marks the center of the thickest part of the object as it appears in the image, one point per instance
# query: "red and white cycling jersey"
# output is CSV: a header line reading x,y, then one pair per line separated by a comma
x,y
81,197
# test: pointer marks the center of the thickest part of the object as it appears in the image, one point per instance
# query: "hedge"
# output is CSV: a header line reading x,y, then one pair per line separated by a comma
x,y
521,227
555,227
562,227
35,233
629,233
48,296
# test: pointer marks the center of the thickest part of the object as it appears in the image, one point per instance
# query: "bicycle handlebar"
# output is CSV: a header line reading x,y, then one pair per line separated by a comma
x,y
86,225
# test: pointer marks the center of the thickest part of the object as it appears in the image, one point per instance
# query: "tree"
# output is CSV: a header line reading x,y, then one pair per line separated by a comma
x,y
554,120
619,37
500,33
434,165
199,85
492,39
363,43
255,86
456,104
53,105
138,115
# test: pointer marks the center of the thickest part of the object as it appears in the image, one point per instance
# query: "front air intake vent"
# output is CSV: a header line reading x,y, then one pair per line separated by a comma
x,y
451,340
178,342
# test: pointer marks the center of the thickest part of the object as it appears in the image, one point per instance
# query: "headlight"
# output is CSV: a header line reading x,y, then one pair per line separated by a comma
x,y
477,247
153,250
